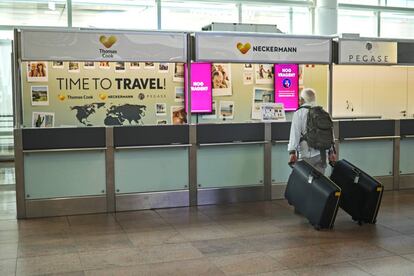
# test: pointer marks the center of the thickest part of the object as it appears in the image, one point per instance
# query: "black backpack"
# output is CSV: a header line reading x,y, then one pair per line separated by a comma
x,y
319,129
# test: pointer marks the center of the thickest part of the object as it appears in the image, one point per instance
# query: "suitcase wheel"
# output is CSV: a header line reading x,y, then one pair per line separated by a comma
x,y
317,227
374,222
360,222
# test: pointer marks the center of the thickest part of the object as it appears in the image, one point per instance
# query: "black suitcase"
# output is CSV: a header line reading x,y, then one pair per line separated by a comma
x,y
313,195
361,193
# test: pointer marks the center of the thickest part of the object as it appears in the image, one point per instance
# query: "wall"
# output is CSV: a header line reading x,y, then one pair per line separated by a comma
x,y
373,91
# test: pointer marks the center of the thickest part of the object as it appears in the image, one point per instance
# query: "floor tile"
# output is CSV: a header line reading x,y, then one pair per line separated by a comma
x,y
94,219
46,247
102,242
223,247
8,251
167,253
389,266
200,267
398,244
243,264
205,232
333,269
49,264
8,267
109,258
155,237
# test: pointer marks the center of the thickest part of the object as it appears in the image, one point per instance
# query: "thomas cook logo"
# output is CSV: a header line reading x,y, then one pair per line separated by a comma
x,y
107,41
368,46
243,48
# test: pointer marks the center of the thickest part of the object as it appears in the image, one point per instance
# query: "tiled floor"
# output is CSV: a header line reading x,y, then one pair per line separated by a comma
x,y
263,238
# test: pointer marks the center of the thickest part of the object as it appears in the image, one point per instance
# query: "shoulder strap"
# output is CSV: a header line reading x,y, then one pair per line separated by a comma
x,y
304,106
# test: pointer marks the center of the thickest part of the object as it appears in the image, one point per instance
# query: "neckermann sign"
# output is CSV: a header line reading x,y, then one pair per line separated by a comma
x,y
226,47
367,52
103,46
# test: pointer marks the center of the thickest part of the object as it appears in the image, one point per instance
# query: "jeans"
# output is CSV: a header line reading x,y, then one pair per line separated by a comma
x,y
317,162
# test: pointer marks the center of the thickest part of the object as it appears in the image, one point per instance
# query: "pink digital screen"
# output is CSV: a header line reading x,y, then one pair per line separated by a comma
x,y
201,92
287,85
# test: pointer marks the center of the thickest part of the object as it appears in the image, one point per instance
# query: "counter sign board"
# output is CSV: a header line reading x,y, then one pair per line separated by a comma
x,y
88,45
225,47
367,52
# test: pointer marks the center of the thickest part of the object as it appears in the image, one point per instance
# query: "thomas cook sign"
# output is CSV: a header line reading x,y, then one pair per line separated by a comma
x,y
261,48
367,52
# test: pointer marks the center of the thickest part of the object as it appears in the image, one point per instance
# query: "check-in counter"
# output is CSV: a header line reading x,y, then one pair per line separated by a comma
x,y
280,169
369,144
66,164
151,166
406,164
230,162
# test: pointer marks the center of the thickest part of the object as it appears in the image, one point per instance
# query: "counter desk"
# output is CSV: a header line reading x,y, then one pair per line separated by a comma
x,y
66,171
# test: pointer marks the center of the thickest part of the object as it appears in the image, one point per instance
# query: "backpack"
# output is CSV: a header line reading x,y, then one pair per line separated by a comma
x,y
319,129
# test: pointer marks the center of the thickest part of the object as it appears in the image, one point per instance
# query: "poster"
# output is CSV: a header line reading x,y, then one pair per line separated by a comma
x,y
287,86
221,79
260,96
264,73
178,72
102,96
39,95
43,119
272,112
37,71
74,67
301,73
178,115
163,68
57,64
161,109
89,65
201,88
227,110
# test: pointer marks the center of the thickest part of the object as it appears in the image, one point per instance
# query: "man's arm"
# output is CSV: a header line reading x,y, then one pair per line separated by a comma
x,y
294,138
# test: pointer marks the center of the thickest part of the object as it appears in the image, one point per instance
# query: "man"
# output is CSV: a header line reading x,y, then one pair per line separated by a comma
x,y
298,129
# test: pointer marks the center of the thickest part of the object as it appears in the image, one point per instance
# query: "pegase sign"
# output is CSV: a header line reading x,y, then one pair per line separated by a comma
x,y
261,48
103,46
367,52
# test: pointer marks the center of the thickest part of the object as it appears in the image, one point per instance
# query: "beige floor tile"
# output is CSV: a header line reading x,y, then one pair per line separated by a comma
x,y
223,247
8,225
49,264
334,269
398,244
199,267
271,242
9,236
8,267
246,264
246,228
388,266
277,273
136,216
156,237
94,219
46,247
102,242
8,251
204,232
167,253
109,258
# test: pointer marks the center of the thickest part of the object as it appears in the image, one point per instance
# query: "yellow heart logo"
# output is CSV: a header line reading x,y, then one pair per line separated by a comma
x,y
61,97
102,96
243,48
107,41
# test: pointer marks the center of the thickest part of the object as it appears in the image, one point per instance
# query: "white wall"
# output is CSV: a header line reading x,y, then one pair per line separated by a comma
x,y
373,91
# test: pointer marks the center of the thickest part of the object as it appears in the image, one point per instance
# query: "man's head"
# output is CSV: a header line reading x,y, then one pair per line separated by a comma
x,y
307,96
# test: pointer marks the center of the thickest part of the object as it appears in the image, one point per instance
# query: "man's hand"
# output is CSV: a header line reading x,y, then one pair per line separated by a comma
x,y
292,159
332,158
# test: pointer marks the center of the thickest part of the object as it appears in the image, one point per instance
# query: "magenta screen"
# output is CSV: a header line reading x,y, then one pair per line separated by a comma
x,y
287,85
201,93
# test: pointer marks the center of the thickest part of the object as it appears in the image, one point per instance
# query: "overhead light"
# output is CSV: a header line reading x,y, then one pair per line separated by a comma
x,y
51,5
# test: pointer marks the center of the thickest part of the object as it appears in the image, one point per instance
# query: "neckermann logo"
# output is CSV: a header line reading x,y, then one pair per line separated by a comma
x,y
244,48
370,57
108,42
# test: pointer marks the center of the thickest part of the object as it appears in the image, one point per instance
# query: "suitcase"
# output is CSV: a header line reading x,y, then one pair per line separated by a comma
x,y
313,195
361,193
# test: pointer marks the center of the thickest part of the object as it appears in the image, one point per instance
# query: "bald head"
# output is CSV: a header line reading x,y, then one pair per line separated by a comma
x,y
308,96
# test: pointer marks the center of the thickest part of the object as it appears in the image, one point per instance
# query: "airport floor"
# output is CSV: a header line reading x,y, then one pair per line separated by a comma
x,y
262,238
